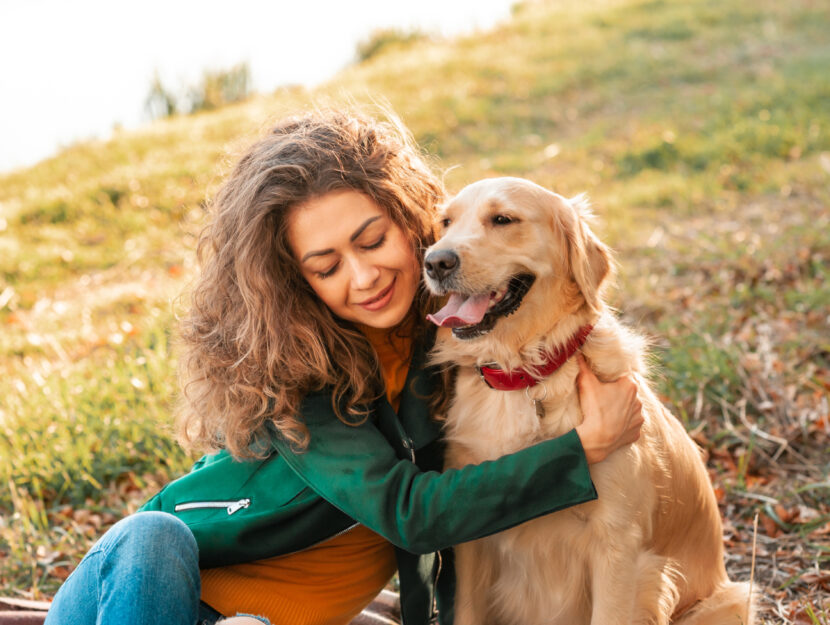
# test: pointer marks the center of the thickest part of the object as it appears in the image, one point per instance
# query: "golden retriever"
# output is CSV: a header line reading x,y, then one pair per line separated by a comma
x,y
524,273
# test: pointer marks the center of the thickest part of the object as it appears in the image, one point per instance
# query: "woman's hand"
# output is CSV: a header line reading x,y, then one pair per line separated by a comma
x,y
612,413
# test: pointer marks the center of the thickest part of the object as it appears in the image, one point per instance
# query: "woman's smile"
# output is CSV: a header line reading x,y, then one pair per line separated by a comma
x,y
381,299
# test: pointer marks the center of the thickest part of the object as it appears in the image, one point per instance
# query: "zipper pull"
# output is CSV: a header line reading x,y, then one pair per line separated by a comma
x,y
238,505
409,446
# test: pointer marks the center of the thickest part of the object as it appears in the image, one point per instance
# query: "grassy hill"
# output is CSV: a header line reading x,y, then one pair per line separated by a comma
x,y
701,131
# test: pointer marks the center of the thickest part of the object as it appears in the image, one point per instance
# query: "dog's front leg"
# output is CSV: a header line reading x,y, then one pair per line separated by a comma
x,y
613,584
473,581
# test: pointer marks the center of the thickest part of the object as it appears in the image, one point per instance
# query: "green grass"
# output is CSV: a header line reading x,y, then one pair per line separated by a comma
x,y
701,131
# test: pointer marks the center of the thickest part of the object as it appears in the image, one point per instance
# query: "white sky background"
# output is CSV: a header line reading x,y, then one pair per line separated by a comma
x,y
72,70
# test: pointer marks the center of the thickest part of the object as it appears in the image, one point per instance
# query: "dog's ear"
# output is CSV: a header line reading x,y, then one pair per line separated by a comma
x,y
590,259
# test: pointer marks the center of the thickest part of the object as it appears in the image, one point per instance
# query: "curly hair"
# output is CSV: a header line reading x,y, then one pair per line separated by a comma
x,y
256,338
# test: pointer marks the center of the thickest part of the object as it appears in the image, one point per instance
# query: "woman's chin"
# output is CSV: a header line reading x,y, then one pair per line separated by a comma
x,y
382,320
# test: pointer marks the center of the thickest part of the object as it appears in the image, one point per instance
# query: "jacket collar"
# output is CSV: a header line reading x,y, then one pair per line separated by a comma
x,y
421,383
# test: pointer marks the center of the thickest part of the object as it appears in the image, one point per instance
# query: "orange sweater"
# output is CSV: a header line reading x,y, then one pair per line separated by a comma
x,y
329,583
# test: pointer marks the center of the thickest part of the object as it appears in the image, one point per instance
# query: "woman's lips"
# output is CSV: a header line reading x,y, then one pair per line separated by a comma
x,y
380,300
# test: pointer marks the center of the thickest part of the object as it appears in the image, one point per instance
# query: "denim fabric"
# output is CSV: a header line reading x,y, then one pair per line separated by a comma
x,y
144,570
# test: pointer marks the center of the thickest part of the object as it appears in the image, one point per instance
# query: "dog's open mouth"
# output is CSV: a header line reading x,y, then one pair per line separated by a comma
x,y
470,316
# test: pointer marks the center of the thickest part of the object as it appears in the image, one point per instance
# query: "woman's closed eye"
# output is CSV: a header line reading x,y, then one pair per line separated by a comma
x,y
330,271
327,272
376,244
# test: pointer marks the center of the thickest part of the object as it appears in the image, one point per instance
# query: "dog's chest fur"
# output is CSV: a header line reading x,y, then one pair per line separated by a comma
x,y
488,424
491,423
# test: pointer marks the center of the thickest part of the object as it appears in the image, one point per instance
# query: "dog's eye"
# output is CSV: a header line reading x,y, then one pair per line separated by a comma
x,y
502,220
445,223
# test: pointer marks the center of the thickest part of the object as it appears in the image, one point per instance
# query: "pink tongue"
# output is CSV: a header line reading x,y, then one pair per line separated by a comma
x,y
461,311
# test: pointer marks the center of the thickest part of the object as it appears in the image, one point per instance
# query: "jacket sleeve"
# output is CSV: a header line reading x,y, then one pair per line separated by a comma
x,y
355,469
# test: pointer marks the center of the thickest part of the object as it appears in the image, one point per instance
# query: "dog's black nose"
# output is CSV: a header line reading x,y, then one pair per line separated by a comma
x,y
441,263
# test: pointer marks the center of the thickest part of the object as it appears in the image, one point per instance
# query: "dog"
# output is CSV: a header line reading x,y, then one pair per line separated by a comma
x,y
525,276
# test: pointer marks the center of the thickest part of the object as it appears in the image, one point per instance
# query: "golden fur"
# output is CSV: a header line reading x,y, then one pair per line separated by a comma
x,y
649,550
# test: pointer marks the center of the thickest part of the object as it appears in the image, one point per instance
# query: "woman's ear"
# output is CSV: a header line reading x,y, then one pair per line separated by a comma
x,y
590,259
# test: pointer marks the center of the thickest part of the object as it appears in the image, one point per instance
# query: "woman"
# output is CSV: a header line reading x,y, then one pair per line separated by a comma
x,y
304,363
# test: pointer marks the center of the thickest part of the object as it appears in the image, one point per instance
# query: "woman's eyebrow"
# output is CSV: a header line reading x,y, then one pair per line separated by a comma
x,y
352,239
317,253
363,227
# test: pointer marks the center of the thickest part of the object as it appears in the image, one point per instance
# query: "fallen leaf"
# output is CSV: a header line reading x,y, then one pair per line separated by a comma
x,y
771,528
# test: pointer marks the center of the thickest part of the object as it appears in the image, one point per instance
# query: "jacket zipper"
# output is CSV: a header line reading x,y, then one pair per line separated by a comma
x,y
235,506
230,506
434,617
408,445
319,542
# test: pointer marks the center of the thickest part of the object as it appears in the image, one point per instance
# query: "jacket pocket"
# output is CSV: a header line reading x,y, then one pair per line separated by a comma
x,y
230,506
221,487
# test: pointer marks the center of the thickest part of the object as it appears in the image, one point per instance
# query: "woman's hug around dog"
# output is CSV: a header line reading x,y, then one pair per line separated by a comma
x,y
525,275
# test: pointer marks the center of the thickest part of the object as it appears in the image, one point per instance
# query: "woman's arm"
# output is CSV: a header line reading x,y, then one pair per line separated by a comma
x,y
355,469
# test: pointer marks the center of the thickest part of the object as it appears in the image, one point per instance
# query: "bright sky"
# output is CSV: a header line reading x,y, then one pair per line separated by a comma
x,y
71,70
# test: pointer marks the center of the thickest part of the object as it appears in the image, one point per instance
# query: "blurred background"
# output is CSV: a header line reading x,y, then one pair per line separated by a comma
x,y
699,129
78,70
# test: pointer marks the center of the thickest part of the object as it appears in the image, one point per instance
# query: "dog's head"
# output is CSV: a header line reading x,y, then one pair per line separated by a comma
x,y
510,247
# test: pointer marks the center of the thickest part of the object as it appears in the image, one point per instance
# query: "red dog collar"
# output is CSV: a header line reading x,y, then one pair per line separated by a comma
x,y
515,380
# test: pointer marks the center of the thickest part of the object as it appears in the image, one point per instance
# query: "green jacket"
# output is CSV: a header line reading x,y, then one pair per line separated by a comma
x,y
385,474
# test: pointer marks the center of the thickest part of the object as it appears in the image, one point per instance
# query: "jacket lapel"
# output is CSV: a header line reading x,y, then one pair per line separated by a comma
x,y
414,413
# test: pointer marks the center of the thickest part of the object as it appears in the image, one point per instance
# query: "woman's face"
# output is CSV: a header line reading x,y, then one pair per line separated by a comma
x,y
357,260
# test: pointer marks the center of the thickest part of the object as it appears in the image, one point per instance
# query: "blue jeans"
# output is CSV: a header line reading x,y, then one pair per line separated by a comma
x,y
144,570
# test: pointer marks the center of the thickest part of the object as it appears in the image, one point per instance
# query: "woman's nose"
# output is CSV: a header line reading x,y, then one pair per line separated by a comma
x,y
364,274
